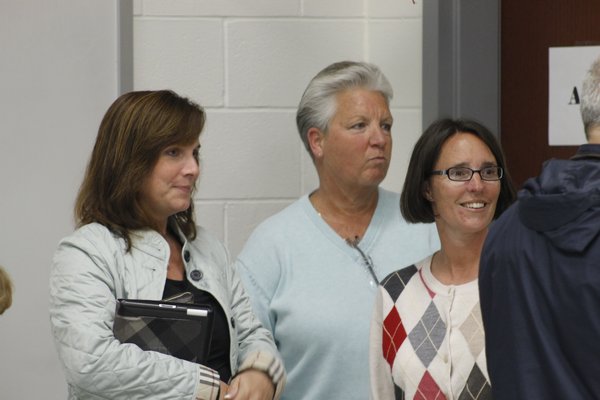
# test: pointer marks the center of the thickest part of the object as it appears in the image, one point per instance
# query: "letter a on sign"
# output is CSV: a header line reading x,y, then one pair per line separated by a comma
x,y
574,97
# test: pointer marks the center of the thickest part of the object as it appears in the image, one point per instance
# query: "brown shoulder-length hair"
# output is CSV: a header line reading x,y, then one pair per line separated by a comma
x,y
414,206
132,134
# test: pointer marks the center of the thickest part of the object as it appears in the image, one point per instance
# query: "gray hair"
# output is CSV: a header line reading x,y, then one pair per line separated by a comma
x,y
590,98
318,104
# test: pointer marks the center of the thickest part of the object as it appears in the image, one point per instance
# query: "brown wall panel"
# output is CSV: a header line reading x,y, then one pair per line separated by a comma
x,y
528,29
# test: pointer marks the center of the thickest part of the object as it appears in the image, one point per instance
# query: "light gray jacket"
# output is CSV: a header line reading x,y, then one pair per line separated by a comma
x,y
91,269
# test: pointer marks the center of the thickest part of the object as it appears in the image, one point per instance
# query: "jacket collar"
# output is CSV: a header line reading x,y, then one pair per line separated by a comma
x,y
587,151
153,243
150,242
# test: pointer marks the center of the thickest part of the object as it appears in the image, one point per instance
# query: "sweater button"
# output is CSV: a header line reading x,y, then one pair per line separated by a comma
x,y
186,256
196,275
232,322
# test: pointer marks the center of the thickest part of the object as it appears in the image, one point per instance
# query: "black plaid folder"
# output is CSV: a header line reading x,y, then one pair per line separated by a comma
x,y
181,330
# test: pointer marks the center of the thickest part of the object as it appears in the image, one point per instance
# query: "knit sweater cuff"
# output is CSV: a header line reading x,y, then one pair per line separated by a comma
x,y
208,385
270,365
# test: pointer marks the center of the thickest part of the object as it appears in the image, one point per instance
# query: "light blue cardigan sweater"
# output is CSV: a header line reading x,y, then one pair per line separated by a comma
x,y
313,292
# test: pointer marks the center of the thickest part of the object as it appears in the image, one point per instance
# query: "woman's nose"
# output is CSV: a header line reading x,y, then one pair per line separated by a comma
x,y
191,166
476,183
378,136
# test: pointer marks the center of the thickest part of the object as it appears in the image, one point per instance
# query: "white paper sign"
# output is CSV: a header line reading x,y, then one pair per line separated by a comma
x,y
567,69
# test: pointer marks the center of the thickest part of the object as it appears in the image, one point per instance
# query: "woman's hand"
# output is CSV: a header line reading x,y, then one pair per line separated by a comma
x,y
223,389
251,384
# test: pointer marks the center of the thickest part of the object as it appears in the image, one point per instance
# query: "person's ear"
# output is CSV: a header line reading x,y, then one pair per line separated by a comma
x,y
427,191
316,141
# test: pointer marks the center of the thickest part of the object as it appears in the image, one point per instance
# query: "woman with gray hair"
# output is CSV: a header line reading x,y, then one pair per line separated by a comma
x,y
312,270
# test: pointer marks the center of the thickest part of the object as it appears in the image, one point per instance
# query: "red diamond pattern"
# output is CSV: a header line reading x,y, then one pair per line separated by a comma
x,y
393,335
428,389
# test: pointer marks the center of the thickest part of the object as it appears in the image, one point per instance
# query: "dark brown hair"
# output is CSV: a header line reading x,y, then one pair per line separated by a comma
x,y
413,205
132,134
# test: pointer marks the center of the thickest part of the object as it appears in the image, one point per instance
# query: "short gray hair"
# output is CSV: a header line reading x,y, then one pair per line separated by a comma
x,y
318,104
590,98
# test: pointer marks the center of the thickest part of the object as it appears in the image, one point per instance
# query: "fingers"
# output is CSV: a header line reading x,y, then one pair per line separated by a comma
x,y
232,391
223,390
251,385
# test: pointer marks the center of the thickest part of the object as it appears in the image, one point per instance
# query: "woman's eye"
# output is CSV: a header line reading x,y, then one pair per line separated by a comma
x,y
387,127
460,173
172,152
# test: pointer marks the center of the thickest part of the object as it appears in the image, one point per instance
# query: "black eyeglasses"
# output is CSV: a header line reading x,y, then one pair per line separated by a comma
x,y
464,174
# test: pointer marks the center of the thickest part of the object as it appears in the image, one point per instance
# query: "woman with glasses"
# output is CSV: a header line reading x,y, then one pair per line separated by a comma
x,y
427,338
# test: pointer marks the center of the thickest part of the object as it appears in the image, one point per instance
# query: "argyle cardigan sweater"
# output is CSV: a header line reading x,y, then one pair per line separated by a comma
x,y
427,339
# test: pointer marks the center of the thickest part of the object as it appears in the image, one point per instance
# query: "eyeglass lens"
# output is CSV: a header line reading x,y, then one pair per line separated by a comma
x,y
465,174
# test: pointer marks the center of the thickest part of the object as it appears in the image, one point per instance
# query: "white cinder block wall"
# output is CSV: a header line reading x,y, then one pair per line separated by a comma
x,y
248,62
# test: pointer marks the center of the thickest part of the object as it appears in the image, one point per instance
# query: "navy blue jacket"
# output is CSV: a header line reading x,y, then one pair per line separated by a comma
x,y
540,286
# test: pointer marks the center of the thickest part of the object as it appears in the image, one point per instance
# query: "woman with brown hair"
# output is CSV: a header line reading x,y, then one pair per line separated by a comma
x,y
137,239
427,338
